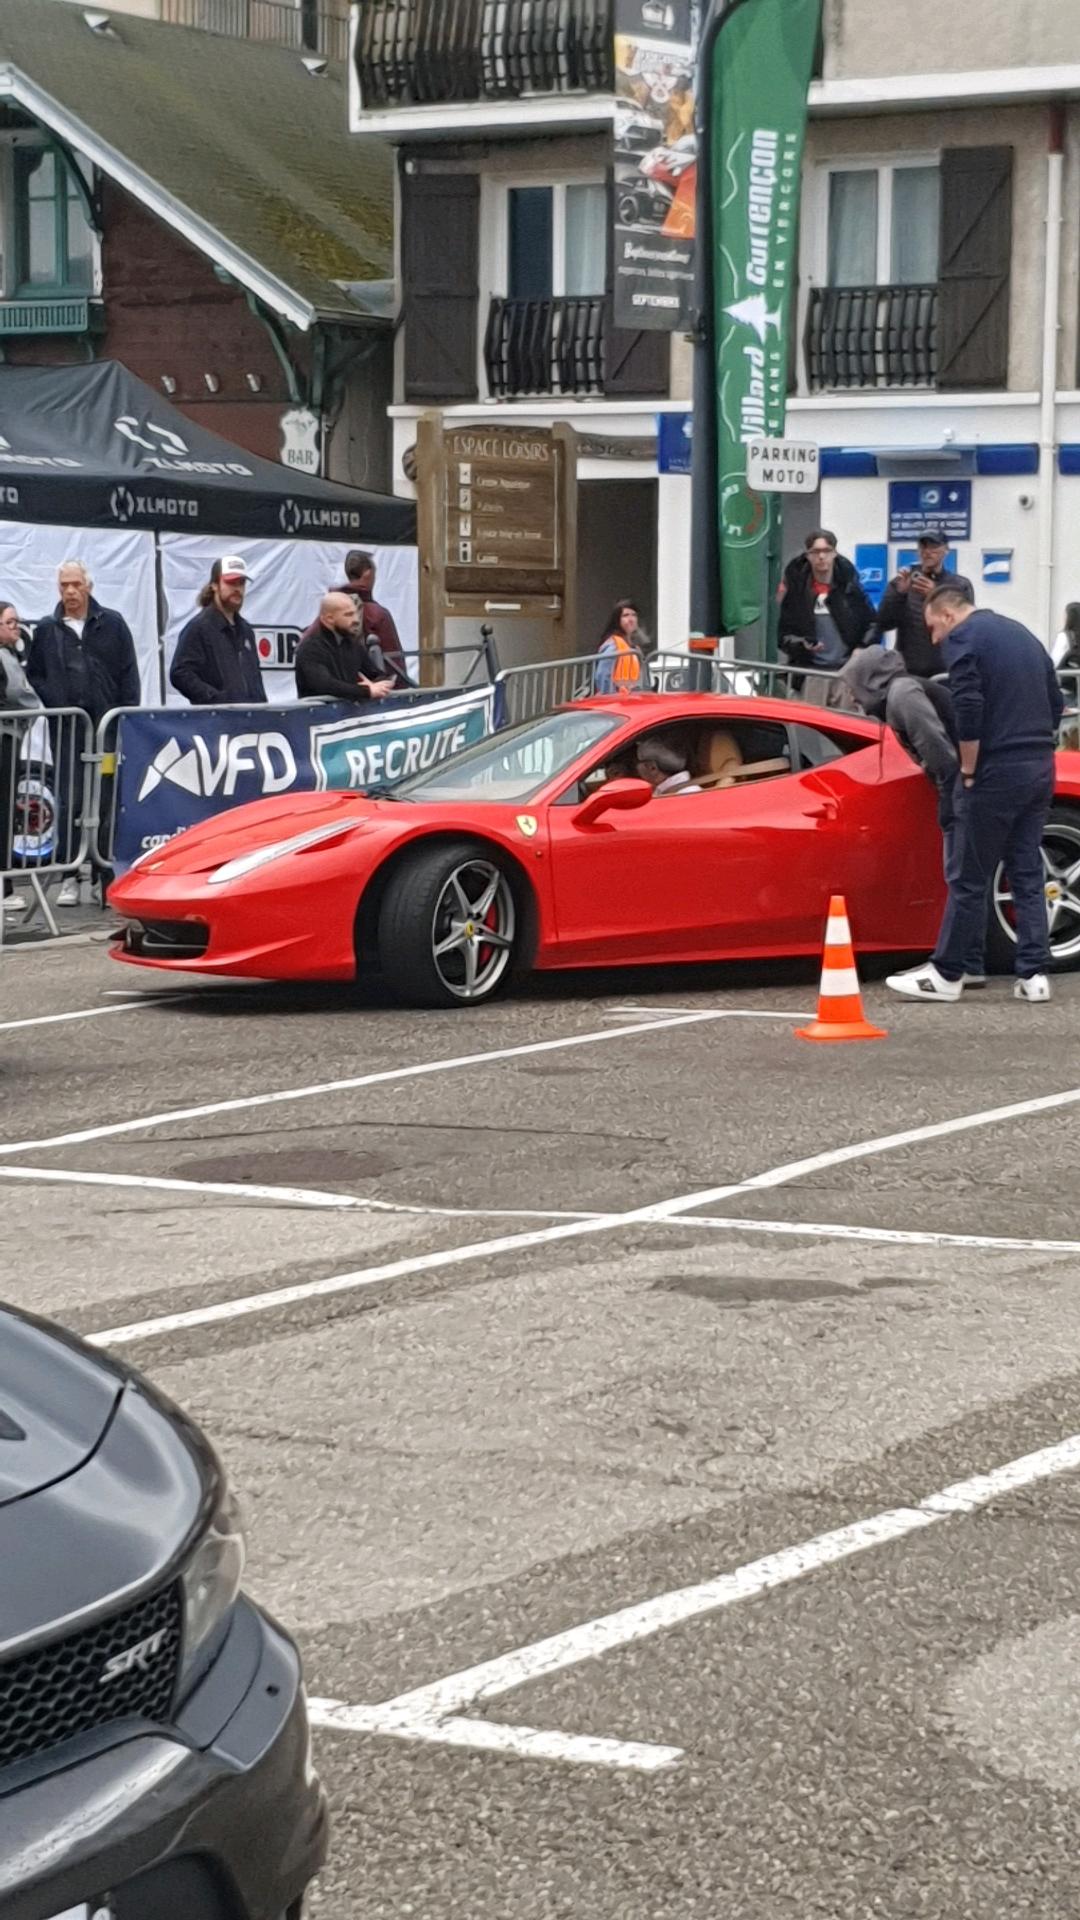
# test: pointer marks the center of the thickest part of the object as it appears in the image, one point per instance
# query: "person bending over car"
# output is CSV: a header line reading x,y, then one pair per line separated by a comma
x,y
332,662
920,713
664,768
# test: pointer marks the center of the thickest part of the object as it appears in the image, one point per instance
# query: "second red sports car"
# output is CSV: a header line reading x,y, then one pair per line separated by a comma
x,y
538,848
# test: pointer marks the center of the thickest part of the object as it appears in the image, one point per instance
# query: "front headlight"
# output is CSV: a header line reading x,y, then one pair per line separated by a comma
x,y
211,1583
280,849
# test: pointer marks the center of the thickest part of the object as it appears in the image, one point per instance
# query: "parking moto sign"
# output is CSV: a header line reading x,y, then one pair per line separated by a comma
x,y
782,466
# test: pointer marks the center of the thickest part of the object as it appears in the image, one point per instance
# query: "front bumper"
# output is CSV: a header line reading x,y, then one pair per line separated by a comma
x,y
218,1818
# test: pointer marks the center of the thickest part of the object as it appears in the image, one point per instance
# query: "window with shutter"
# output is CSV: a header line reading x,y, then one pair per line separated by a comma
x,y
637,363
976,244
440,269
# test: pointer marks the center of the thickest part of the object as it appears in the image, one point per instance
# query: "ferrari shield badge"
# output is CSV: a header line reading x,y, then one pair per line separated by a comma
x,y
528,824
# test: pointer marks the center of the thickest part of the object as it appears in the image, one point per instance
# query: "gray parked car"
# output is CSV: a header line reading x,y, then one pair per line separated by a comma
x,y
155,1757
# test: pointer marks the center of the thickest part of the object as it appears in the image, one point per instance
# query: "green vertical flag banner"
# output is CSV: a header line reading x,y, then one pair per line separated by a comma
x,y
762,64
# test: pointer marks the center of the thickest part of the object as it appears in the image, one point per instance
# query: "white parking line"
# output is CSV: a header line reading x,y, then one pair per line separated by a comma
x,y
887,1236
489,1736
278,1196
246,1103
665,1210
84,1013
424,1712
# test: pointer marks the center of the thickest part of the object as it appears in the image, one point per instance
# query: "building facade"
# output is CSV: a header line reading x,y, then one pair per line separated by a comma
x,y
936,349
227,246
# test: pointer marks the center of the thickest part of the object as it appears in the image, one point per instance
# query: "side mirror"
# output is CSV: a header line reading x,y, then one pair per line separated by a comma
x,y
616,796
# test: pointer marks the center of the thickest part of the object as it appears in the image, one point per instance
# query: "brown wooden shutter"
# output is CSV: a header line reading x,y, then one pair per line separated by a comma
x,y
637,363
440,267
976,245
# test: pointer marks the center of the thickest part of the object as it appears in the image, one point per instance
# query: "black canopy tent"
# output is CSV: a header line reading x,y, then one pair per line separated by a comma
x,y
92,446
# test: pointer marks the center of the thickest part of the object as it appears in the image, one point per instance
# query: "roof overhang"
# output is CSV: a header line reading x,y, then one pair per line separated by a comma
x,y
15,86
913,92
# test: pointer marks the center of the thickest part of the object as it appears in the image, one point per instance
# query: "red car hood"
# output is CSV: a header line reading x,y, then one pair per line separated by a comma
x,y
245,829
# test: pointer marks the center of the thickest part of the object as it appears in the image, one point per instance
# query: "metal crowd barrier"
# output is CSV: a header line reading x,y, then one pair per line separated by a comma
x,y
48,807
524,693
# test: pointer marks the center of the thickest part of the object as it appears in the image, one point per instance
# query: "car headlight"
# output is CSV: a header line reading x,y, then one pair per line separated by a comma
x,y
300,843
211,1583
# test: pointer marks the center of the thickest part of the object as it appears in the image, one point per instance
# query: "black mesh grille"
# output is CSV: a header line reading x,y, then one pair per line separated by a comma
x,y
125,1665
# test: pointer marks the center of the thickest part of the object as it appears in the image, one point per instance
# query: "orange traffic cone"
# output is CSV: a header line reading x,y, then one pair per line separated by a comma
x,y
840,1009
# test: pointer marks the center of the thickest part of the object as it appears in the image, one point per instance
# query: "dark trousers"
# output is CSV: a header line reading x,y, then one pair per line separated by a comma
x,y
1001,818
975,955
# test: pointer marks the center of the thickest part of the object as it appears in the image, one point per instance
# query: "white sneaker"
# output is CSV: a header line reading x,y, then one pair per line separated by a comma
x,y
1036,991
15,903
925,983
68,895
973,982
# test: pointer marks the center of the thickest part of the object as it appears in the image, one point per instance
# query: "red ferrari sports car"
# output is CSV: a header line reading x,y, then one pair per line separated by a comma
x,y
539,848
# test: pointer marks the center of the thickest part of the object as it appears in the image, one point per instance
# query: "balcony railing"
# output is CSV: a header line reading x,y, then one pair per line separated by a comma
x,y
50,313
545,346
432,52
871,337
306,27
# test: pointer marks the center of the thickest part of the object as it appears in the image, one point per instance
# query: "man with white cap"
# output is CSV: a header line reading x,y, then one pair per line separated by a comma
x,y
216,661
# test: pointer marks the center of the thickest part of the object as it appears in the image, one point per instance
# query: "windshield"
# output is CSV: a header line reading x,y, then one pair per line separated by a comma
x,y
513,765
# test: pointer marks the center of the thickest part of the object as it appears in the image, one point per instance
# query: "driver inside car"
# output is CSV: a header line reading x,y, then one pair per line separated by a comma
x,y
664,767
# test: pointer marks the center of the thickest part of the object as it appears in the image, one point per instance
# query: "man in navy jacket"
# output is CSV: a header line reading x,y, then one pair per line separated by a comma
x,y
1008,707
83,655
216,662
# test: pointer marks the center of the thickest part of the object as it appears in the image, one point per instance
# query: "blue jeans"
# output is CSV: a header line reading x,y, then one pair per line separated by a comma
x,y
1001,818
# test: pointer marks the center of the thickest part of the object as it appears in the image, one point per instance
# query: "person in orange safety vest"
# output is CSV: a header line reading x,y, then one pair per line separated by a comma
x,y
619,667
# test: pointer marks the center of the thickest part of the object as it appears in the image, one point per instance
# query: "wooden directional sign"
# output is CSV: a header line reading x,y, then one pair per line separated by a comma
x,y
503,516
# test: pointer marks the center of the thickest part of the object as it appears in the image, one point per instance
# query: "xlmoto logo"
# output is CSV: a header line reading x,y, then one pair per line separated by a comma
x,y
201,771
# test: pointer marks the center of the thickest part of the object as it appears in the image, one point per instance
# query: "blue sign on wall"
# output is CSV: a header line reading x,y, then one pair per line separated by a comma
x,y
873,569
997,566
674,442
916,505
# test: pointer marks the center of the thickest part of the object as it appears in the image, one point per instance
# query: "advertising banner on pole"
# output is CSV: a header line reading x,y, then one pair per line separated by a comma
x,y
761,67
655,164
179,766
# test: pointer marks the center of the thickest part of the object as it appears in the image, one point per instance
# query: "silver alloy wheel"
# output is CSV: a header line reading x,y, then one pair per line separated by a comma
x,y
473,929
1061,858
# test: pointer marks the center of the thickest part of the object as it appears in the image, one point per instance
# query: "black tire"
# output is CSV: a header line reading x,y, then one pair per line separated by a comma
x,y
1062,836
432,953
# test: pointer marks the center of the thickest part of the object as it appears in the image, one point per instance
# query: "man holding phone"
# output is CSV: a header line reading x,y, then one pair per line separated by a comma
x,y
904,605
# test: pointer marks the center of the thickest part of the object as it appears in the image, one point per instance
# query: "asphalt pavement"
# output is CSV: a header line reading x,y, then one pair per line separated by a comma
x,y
660,1435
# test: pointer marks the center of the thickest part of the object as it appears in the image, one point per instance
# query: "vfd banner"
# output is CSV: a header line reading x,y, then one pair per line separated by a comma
x,y
655,164
762,61
180,766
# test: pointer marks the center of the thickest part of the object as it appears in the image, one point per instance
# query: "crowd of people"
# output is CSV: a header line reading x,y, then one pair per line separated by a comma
x,y
83,657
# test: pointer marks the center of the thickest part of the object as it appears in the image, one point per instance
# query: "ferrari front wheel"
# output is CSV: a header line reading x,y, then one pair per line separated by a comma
x,y
448,927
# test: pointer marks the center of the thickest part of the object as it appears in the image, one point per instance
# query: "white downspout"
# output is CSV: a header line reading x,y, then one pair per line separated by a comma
x,y
1046,623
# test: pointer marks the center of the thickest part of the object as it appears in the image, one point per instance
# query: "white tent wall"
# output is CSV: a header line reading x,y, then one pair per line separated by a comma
x,y
121,565
289,578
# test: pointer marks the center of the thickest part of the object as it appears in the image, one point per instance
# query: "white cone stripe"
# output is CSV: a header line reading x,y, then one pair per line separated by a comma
x,y
839,982
838,933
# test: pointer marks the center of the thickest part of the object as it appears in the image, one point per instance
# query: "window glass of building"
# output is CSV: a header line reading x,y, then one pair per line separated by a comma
x,y
586,239
916,214
530,212
853,228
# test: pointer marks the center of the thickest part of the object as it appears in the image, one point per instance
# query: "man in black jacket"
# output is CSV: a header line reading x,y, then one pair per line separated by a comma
x,y
824,613
216,662
904,605
83,655
332,662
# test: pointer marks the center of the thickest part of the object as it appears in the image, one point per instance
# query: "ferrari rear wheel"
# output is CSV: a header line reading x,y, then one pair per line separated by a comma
x,y
1061,860
448,927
